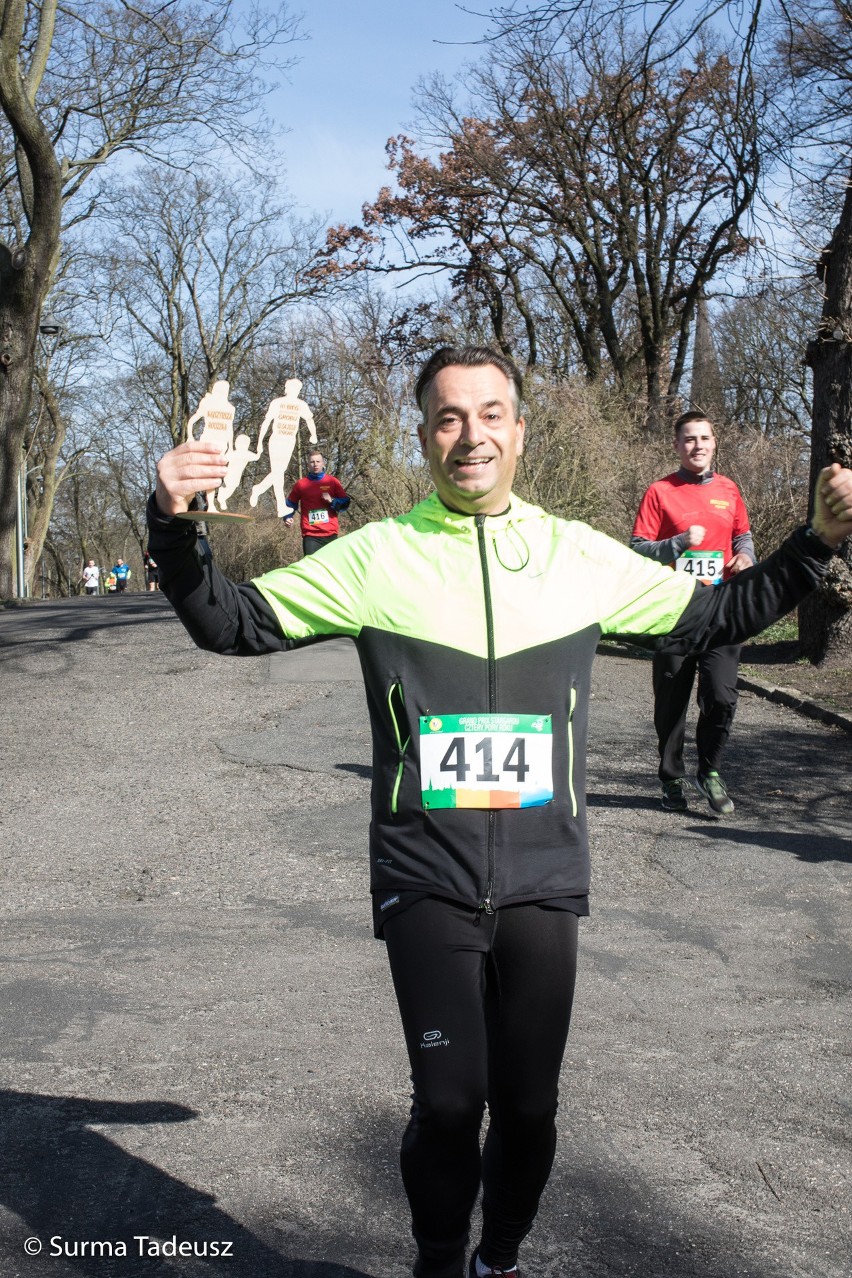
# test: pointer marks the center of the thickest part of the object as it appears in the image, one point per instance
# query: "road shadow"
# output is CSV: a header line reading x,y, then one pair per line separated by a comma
x,y
65,1179
783,653
597,1218
805,846
364,770
78,619
633,802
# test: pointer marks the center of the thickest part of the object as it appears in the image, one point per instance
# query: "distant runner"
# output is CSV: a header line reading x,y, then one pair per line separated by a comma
x,y
122,574
152,572
696,521
319,497
91,578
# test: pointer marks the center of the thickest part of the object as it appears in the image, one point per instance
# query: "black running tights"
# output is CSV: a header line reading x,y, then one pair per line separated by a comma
x,y
485,1002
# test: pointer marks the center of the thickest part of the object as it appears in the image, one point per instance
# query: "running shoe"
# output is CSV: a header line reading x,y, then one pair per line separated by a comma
x,y
712,787
674,795
474,1272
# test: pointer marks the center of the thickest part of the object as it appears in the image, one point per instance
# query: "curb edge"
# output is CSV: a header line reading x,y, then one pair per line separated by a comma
x,y
794,700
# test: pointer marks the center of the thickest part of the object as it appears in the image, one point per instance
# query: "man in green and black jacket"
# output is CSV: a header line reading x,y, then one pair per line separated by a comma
x,y
476,617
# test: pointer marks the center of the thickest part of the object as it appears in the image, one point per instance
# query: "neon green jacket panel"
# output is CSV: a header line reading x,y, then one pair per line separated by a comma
x,y
628,599
390,576
321,595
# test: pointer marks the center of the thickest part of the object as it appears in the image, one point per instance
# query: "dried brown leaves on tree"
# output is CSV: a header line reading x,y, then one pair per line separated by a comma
x,y
588,186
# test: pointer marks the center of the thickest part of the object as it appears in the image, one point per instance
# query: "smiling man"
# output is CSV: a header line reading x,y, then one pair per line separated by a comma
x,y
695,520
472,436
476,617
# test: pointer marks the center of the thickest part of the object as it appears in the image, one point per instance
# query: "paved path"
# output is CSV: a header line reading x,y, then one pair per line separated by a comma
x,y
197,1036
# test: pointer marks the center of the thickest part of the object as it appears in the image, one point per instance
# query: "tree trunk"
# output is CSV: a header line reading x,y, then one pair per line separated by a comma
x,y
39,522
52,474
18,334
706,393
656,418
825,619
27,269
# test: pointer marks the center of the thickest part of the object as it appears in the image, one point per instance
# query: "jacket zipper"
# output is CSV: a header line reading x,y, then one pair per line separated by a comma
x,y
485,903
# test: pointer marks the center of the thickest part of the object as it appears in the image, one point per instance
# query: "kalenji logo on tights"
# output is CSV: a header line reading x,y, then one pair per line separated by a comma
x,y
432,1038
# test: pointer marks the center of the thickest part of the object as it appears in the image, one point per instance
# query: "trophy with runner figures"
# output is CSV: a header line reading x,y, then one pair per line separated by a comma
x,y
279,430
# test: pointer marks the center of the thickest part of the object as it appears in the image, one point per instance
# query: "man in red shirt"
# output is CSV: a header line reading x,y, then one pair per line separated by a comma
x,y
696,521
319,497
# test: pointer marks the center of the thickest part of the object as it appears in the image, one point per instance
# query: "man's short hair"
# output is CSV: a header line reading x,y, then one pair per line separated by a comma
x,y
692,416
468,357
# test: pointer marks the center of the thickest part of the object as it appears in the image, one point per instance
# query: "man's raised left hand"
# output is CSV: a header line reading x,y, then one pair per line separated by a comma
x,y
832,517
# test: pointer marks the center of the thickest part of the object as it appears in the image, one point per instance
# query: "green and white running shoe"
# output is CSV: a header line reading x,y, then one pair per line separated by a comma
x,y
713,788
674,794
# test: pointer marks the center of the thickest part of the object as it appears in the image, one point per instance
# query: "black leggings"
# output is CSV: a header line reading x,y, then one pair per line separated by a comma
x,y
310,545
717,702
485,1002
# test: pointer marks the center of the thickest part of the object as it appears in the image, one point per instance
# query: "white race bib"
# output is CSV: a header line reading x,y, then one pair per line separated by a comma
x,y
486,760
707,565
317,516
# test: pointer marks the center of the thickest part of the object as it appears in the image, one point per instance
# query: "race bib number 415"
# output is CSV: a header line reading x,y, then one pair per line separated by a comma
x,y
707,565
486,760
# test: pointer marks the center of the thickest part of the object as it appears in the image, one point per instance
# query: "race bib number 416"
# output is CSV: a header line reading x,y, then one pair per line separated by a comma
x,y
486,760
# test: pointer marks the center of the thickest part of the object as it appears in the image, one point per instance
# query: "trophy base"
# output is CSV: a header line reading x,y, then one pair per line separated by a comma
x,y
212,516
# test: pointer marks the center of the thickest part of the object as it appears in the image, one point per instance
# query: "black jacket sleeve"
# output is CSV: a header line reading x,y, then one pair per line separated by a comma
x,y
752,600
220,615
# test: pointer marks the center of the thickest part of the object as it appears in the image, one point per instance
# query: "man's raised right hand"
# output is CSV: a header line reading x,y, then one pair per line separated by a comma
x,y
198,466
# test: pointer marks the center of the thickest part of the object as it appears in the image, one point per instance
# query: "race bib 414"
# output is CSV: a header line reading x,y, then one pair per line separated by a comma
x,y
486,760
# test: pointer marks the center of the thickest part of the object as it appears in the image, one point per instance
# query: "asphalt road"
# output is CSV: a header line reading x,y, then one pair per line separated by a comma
x,y
198,1041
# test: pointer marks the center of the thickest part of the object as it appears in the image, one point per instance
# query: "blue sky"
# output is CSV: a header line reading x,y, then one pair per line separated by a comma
x,y
352,88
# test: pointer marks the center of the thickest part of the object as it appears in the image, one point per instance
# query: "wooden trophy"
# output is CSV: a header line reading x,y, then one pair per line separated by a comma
x,y
283,417
217,412
281,423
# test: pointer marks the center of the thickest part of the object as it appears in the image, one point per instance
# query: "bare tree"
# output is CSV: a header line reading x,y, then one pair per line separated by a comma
x,y
80,84
199,268
760,336
825,629
589,184
806,55
818,45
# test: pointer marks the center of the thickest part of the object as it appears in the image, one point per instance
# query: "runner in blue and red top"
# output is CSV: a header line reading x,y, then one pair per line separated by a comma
x,y
319,497
122,575
695,520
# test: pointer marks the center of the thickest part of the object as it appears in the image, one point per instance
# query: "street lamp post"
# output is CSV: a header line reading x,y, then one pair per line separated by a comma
x,y
21,532
50,331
